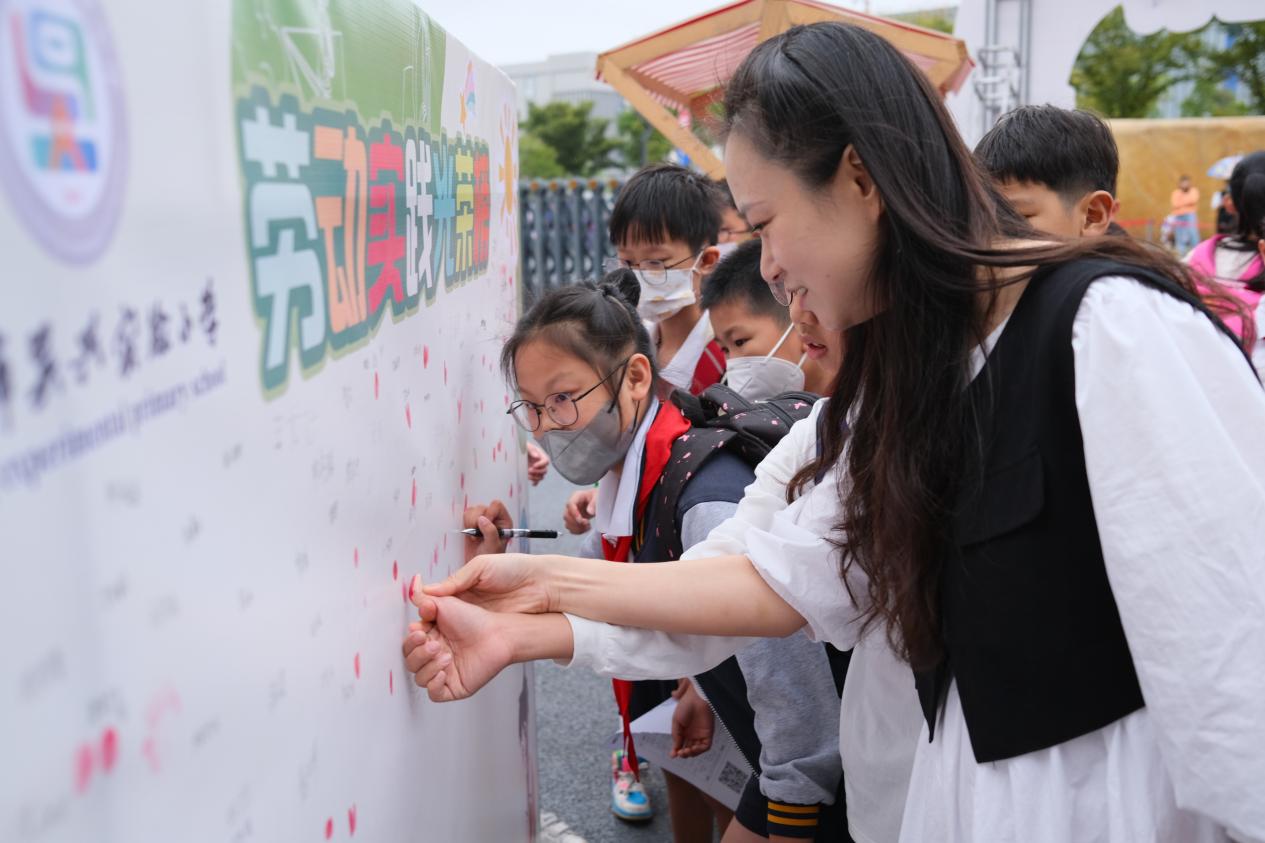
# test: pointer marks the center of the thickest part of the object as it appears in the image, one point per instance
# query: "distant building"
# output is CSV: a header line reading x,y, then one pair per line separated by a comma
x,y
569,77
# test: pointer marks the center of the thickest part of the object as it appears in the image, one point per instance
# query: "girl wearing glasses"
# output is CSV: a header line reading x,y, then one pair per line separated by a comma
x,y
582,363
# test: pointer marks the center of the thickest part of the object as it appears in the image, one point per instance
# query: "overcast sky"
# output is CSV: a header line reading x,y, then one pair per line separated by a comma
x,y
513,31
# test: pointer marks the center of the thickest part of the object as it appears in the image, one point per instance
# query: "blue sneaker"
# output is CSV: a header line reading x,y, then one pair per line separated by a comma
x,y
629,800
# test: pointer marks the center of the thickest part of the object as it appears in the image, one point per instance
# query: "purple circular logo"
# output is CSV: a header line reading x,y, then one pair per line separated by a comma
x,y
63,138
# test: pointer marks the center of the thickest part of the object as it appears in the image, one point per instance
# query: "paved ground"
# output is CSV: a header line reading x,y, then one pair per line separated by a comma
x,y
576,717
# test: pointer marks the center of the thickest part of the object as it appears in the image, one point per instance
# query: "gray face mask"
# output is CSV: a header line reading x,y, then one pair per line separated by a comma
x,y
583,456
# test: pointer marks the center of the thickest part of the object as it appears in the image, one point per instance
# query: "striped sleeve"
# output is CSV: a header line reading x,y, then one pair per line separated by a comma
x,y
787,820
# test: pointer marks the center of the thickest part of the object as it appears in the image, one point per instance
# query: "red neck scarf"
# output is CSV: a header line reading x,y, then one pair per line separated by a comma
x,y
667,426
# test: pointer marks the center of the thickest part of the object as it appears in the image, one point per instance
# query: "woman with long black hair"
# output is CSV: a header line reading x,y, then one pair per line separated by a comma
x,y
1039,482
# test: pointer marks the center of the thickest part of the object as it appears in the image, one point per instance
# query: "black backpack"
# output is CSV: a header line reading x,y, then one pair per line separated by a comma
x,y
721,419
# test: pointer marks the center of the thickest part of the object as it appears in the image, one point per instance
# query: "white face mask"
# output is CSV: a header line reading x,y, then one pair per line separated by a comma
x,y
724,249
661,299
760,378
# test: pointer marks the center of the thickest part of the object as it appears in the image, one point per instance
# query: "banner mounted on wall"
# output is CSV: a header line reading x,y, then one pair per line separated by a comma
x,y
259,262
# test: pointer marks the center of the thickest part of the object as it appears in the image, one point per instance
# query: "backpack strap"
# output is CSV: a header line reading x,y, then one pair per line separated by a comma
x,y
689,452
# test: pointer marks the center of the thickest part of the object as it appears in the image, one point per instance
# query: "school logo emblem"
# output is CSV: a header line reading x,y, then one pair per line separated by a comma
x,y
63,140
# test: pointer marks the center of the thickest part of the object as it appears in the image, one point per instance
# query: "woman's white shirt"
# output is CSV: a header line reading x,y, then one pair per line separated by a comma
x,y
1171,417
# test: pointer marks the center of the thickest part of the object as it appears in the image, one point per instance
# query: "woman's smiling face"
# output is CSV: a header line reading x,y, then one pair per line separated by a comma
x,y
820,243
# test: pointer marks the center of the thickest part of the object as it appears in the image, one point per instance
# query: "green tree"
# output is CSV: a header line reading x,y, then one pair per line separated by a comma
x,y
1122,74
536,159
1243,57
941,20
1211,99
578,139
639,143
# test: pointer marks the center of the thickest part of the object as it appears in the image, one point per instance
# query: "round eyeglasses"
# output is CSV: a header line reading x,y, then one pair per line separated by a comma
x,y
654,272
563,408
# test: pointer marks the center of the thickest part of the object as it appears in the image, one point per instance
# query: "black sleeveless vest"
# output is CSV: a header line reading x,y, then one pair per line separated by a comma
x,y
1032,633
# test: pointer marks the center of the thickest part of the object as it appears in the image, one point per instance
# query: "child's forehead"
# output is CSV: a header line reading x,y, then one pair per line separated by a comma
x,y
734,310
641,247
1033,191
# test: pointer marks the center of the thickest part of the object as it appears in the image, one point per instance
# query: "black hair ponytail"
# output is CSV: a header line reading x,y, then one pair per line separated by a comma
x,y
594,321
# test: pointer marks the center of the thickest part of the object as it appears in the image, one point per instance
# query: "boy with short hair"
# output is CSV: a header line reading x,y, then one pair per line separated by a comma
x,y
664,227
1056,166
767,352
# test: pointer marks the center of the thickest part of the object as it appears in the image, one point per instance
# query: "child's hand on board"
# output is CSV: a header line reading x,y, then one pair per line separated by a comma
x,y
487,520
537,463
581,506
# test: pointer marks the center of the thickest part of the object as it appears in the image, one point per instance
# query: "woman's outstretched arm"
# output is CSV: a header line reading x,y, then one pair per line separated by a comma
x,y
718,596
722,595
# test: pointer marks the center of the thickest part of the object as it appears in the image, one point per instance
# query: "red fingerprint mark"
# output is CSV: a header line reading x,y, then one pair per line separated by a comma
x,y
511,490
375,384
351,820
445,373
355,557
435,558
391,682
463,481
425,356
408,416
109,749
83,768
395,570
357,664
406,592
412,588
329,828
414,495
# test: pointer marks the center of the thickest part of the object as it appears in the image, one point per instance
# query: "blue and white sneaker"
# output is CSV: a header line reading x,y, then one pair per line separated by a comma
x,y
629,800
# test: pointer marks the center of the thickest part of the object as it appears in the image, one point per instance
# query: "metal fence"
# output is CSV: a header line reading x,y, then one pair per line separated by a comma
x,y
564,231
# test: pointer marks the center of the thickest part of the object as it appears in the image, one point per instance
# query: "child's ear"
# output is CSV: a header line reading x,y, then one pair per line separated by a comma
x,y
708,259
1098,209
639,377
